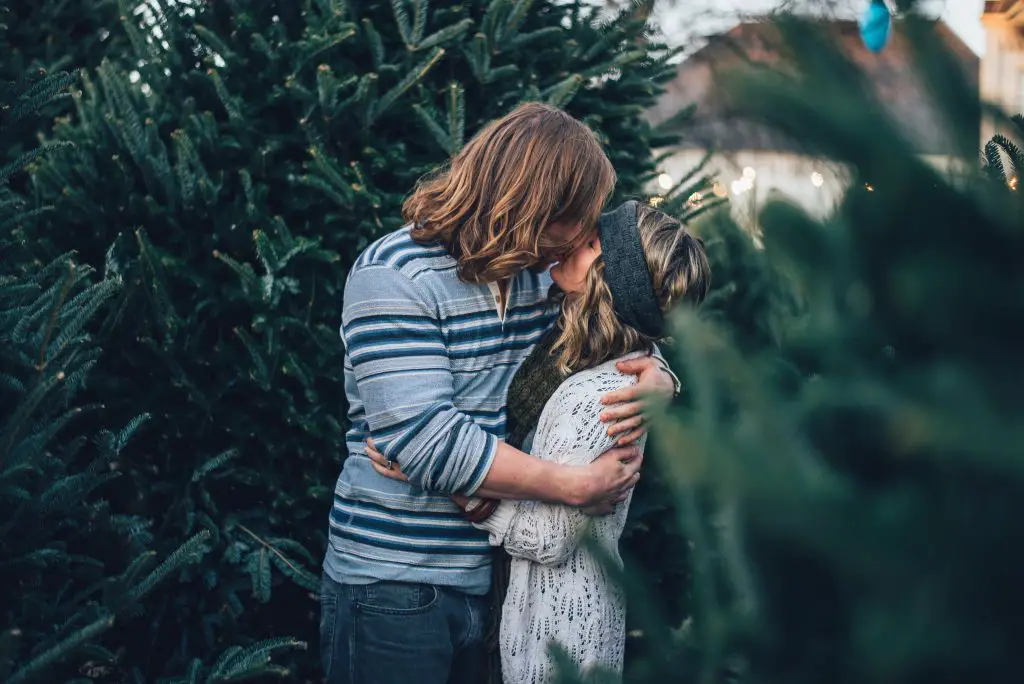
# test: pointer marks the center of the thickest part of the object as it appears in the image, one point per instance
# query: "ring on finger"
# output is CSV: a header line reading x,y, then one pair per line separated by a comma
x,y
390,465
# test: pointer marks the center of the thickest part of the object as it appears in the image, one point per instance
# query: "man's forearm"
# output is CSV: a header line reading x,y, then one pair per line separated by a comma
x,y
519,476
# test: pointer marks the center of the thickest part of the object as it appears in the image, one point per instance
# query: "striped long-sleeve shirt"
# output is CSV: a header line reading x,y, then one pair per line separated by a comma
x,y
428,365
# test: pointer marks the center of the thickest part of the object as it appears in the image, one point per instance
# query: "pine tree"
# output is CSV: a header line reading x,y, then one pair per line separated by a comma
x,y
73,566
874,504
47,37
228,178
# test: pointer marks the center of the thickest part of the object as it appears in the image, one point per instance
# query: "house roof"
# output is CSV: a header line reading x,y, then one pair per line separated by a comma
x,y
889,72
999,5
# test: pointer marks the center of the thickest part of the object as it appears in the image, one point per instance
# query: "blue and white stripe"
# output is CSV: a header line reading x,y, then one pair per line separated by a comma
x,y
427,367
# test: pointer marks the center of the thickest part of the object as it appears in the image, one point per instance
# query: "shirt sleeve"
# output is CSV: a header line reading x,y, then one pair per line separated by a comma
x,y
403,374
676,384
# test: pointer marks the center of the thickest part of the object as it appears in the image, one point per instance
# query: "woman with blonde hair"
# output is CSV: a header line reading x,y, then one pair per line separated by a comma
x,y
615,291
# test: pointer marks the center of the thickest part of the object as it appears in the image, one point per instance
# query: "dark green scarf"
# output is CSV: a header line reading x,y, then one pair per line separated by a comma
x,y
533,384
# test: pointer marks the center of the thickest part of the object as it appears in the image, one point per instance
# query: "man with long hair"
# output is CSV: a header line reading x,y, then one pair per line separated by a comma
x,y
436,319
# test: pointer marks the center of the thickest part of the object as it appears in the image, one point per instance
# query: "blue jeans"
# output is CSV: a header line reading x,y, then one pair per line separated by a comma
x,y
398,633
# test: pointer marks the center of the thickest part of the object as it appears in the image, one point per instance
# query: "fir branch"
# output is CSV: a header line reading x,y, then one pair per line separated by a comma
x,y
344,33
245,272
254,661
332,175
27,158
376,44
414,75
222,663
98,294
258,566
160,163
562,92
156,282
439,134
41,92
419,26
402,21
262,373
448,33
266,252
456,116
226,99
23,218
490,21
58,652
525,40
26,451
65,288
219,47
293,570
213,463
18,420
189,552
514,20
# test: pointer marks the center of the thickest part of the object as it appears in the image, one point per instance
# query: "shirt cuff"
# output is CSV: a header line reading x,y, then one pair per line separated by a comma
x,y
484,467
677,386
499,523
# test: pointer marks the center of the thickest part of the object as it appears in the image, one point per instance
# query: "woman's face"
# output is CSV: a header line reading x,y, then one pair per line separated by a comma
x,y
571,273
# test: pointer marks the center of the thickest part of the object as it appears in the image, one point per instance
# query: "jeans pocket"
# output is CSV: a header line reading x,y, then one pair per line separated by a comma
x,y
396,598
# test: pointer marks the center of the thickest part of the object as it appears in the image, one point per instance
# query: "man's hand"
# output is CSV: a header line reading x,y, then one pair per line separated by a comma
x,y
607,480
627,416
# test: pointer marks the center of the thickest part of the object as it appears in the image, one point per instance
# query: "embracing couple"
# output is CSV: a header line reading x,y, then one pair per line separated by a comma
x,y
497,404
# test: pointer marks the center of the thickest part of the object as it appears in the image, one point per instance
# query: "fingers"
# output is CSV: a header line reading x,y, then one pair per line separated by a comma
x,y
629,409
383,470
621,454
625,488
382,465
622,396
604,508
625,425
632,437
636,366
376,456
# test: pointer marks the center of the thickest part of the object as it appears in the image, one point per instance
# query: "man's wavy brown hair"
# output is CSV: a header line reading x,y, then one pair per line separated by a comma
x,y
491,204
590,332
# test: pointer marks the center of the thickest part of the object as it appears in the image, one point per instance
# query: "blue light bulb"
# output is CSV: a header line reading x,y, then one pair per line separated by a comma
x,y
876,26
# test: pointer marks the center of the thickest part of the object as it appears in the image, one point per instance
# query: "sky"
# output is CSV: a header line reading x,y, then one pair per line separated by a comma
x,y
679,18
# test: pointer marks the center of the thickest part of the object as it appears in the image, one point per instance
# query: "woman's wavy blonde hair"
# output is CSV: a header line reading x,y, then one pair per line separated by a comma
x,y
590,332
491,205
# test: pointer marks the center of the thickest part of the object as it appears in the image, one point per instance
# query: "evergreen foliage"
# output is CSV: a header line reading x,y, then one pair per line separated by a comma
x,y
227,178
72,564
873,507
49,37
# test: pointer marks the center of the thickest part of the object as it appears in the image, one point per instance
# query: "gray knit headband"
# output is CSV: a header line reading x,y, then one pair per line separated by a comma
x,y
626,271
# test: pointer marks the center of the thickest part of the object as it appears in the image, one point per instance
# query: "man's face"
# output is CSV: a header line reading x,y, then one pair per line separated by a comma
x,y
562,239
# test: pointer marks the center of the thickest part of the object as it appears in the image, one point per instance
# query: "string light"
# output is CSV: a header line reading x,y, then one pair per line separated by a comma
x,y
1013,183
817,180
719,189
742,185
665,181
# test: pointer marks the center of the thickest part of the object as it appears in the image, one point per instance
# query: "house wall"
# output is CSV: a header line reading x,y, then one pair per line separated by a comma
x,y
1002,66
751,177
